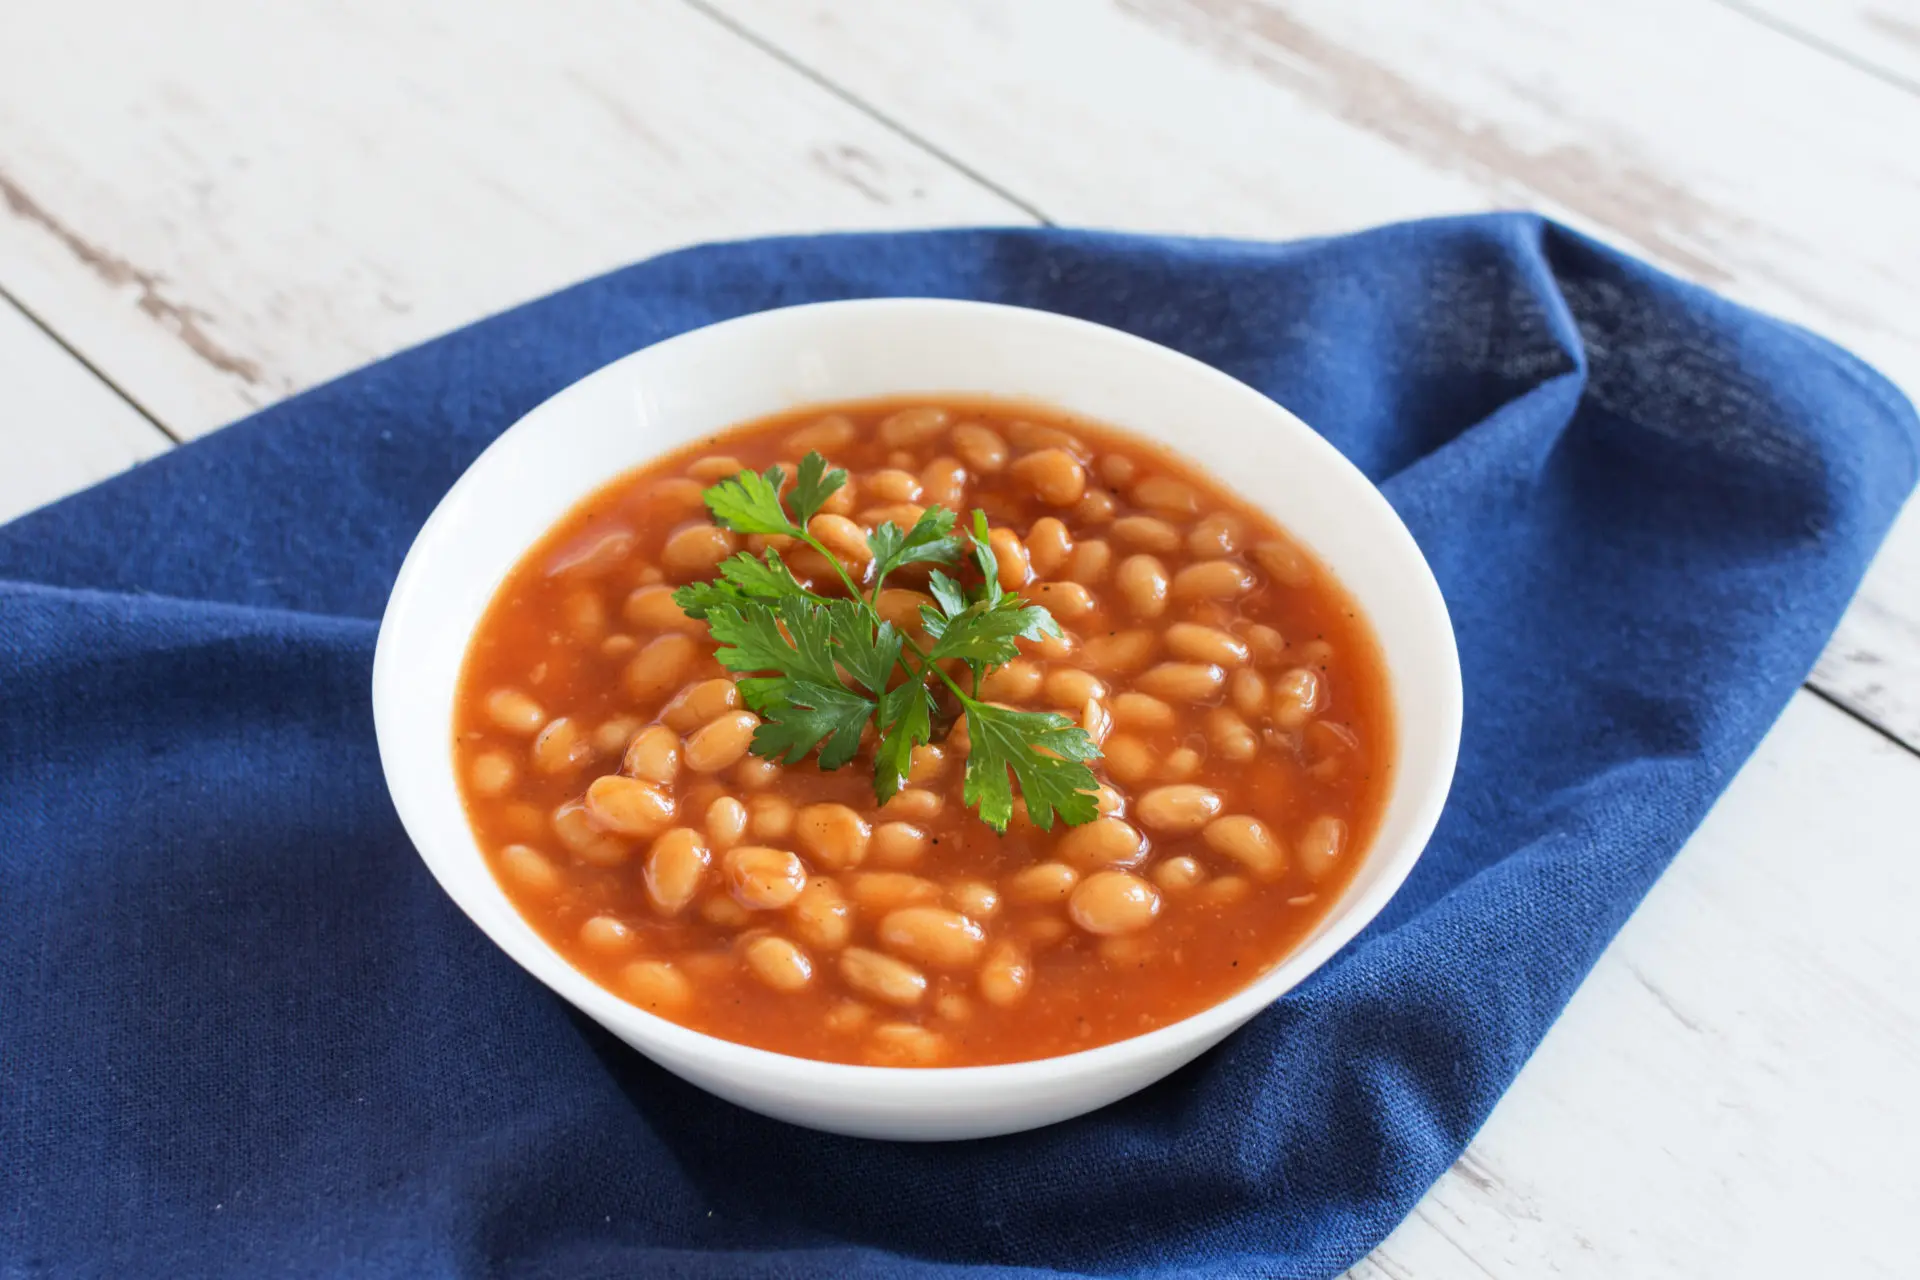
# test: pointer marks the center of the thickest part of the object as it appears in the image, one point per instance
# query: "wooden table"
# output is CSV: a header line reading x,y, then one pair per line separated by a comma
x,y
206,205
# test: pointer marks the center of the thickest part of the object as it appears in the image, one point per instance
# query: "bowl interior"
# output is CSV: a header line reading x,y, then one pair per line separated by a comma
x,y
673,393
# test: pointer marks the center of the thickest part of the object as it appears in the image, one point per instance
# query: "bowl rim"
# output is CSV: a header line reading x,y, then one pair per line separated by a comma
x,y
886,1085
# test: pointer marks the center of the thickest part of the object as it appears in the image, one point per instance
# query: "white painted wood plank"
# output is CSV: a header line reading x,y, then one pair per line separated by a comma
x,y
222,202
1882,36
1687,132
1873,662
1731,1091
1237,117
61,427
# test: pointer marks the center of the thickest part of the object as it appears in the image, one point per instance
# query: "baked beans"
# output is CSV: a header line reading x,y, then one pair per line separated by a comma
x,y
605,755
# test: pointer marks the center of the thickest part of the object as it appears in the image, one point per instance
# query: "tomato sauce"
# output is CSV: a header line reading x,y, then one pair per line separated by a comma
x,y
1239,698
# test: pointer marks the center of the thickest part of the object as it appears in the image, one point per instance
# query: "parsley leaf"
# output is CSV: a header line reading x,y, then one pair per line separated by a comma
x,y
947,593
742,578
807,717
979,627
983,556
794,642
1005,740
750,503
766,578
907,714
868,652
805,707
813,486
928,542
986,633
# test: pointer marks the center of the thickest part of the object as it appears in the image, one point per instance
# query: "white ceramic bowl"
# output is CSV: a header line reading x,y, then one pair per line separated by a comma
x,y
689,386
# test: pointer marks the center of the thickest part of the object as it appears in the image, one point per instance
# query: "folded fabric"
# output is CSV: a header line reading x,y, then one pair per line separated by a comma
x,y
243,1033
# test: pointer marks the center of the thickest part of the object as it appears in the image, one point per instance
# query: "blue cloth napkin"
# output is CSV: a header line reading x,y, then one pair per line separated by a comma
x,y
242,1032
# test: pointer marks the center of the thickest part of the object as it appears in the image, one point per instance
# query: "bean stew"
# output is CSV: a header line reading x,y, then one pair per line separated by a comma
x,y
1237,696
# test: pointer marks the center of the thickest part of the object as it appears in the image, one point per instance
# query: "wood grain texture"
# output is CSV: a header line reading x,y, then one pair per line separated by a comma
x,y
61,427
1730,1091
222,203
1686,132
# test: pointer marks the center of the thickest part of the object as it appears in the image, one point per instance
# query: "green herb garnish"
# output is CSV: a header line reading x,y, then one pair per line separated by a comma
x,y
819,669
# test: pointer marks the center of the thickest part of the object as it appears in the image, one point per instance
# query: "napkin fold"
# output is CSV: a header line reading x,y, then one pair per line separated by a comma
x,y
243,1033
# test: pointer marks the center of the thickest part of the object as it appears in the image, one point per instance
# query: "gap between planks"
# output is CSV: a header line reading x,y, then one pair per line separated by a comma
x,y
80,358
1859,717
1801,36
866,108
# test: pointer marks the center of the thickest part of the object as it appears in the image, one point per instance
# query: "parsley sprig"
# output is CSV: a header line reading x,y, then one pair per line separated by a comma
x,y
818,669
